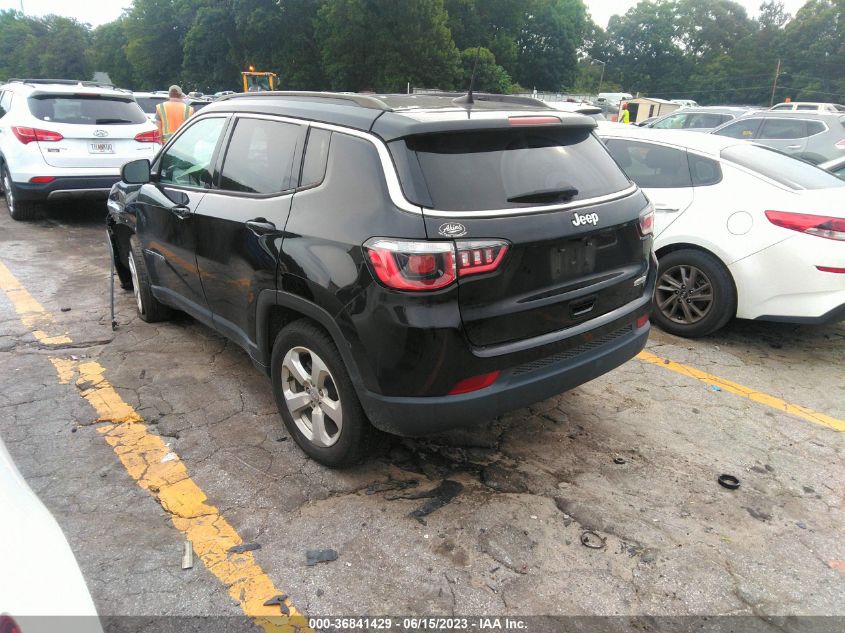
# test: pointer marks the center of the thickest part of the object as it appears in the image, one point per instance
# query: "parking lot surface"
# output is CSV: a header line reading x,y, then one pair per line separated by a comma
x,y
601,501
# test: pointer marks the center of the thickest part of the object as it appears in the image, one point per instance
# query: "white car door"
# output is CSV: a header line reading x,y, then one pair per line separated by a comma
x,y
661,171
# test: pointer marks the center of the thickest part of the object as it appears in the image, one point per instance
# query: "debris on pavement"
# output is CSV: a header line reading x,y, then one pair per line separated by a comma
x,y
392,484
508,545
838,565
65,309
279,600
715,388
314,556
439,497
592,540
728,481
244,547
618,460
503,479
187,555
168,458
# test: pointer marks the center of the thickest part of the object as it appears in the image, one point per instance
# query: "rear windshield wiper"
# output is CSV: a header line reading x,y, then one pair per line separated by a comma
x,y
107,121
559,194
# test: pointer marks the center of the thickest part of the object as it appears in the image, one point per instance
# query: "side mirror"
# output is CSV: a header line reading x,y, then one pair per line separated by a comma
x,y
136,172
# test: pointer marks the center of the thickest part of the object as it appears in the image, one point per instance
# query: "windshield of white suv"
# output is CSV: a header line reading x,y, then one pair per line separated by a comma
x,y
789,171
86,109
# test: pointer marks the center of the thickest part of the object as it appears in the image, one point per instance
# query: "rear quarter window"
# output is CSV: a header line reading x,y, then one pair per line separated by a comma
x,y
652,166
491,169
86,109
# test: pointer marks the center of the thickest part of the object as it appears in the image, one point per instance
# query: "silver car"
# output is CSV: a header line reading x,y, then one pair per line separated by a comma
x,y
815,137
698,119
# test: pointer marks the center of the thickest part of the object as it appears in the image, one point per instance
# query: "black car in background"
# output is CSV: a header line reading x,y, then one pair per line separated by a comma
x,y
414,262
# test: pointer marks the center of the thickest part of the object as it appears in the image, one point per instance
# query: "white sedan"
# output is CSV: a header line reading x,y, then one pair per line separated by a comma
x,y
40,578
741,230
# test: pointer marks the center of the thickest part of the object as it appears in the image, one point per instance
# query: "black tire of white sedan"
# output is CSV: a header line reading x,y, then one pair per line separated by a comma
x,y
19,210
695,294
315,397
150,309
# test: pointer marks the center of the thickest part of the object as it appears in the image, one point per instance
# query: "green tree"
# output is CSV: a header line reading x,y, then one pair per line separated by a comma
x,y
17,38
108,53
155,31
551,35
382,45
63,49
489,76
210,53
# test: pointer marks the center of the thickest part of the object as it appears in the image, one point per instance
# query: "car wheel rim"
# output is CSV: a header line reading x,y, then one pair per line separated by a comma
x,y
7,191
135,285
684,295
312,397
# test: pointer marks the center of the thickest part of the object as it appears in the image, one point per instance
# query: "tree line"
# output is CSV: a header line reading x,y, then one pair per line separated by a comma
x,y
708,50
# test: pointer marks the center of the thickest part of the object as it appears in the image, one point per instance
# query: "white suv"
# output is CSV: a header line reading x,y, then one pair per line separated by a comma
x,y
67,139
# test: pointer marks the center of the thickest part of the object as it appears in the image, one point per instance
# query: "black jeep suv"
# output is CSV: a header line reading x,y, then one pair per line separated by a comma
x,y
412,261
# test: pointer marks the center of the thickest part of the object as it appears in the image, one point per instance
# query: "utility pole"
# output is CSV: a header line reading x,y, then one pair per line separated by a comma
x,y
775,85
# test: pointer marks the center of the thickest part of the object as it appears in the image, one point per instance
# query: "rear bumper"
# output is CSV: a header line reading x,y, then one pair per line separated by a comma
x,y
67,188
783,282
833,316
517,387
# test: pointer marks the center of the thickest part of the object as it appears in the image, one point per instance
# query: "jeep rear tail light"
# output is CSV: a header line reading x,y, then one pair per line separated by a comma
x,y
153,136
647,221
407,265
41,180
480,256
8,625
475,383
27,135
819,225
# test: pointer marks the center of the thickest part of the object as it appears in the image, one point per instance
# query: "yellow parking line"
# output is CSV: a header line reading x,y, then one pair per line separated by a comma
x,y
157,469
746,392
32,314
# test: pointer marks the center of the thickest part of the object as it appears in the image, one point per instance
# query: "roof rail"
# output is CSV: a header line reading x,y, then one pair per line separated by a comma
x,y
365,101
491,98
67,82
64,82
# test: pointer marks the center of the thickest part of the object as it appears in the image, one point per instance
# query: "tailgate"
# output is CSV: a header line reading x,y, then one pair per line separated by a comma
x,y
554,275
97,130
568,214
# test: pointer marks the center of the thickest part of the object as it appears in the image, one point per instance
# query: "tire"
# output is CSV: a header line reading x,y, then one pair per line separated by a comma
x,y
682,305
307,369
20,210
149,308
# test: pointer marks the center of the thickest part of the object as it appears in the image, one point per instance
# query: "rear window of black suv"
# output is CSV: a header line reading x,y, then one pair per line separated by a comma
x,y
504,169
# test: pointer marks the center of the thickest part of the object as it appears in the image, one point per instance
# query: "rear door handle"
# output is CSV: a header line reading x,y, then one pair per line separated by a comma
x,y
182,212
260,226
665,209
793,147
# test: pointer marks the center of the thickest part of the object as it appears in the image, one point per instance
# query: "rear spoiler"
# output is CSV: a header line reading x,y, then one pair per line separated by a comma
x,y
393,125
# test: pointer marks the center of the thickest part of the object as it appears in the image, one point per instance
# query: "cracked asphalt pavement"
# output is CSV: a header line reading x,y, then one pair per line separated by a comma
x,y
633,456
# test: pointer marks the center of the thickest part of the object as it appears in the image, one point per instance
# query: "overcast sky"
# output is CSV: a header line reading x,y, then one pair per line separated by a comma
x,y
98,12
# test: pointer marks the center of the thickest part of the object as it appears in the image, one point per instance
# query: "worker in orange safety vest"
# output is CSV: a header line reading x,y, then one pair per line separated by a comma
x,y
171,114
